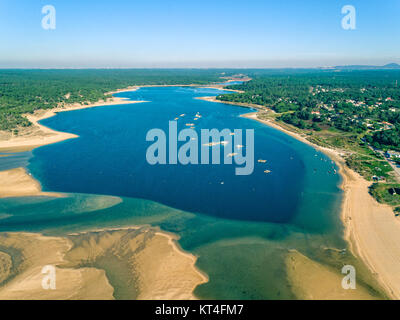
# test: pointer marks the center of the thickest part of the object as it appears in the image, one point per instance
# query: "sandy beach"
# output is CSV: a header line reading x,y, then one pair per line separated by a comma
x,y
305,276
212,86
371,228
38,135
151,265
163,269
143,262
18,183
23,277
214,99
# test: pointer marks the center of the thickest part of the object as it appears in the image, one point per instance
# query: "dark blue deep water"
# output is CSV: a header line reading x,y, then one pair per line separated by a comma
x,y
110,158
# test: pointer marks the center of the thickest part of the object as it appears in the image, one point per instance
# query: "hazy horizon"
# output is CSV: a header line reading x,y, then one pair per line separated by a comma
x,y
181,34
188,67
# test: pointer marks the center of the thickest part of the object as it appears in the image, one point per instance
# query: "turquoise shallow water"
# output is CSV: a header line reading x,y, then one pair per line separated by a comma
x,y
240,230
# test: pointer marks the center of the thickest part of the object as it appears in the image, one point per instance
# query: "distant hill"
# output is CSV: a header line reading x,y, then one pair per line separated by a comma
x,y
392,66
366,67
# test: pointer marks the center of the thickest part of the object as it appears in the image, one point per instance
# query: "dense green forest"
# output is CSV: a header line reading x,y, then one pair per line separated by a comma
x,y
24,91
361,102
356,102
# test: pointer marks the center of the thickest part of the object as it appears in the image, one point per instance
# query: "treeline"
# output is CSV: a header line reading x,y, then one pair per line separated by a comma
x,y
350,101
385,139
24,91
278,92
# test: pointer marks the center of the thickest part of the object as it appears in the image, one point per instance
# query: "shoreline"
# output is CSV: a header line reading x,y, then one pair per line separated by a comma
x,y
39,135
205,86
161,271
237,104
172,240
374,239
370,228
18,182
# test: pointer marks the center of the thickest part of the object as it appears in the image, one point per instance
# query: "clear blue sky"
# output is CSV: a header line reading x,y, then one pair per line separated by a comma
x,y
218,33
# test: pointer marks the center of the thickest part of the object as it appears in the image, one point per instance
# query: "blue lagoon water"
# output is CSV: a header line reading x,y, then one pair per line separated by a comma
x,y
240,227
109,158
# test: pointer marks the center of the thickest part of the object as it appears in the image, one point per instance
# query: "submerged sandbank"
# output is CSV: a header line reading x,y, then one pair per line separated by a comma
x,y
150,262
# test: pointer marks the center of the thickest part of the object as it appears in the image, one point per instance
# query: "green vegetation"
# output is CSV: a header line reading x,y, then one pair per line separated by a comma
x,y
370,168
386,139
357,112
24,91
386,193
362,102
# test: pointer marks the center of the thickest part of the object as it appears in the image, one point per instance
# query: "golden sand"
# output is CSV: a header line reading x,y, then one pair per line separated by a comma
x,y
305,277
25,280
5,266
39,135
18,183
156,268
371,228
147,264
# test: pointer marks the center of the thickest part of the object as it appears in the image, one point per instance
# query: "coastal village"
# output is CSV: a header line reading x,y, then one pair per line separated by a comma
x,y
356,117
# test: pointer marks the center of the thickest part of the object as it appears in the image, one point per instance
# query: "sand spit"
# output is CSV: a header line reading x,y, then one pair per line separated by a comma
x,y
38,135
18,183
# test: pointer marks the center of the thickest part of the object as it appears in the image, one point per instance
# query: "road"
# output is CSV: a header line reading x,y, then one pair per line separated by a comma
x,y
396,169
